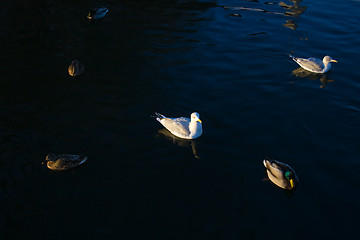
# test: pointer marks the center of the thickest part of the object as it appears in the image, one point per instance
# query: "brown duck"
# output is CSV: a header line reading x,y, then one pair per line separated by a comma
x,y
76,68
61,162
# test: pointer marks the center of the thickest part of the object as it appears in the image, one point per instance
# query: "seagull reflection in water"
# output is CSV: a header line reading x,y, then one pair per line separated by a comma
x,y
178,141
302,73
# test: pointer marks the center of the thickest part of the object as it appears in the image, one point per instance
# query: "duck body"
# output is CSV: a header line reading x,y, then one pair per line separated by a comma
x,y
281,174
61,162
97,13
314,65
182,127
76,68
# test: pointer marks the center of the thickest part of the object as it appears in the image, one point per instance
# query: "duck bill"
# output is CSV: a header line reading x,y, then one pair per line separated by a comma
x,y
292,183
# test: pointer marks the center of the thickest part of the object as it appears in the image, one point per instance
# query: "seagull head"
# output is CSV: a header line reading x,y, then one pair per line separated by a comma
x,y
328,59
195,117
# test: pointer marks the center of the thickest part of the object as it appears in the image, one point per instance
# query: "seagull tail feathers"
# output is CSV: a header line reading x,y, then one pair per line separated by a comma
x,y
293,58
158,116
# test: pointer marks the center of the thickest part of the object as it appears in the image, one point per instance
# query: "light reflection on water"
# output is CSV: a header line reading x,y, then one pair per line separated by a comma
x,y
226,59
294,10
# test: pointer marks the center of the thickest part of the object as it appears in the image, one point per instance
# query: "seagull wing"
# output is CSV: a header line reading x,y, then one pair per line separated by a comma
x,y
311,64
177,126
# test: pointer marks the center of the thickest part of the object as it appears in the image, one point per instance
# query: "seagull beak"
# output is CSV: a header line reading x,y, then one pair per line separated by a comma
x,y
333,60
199,121
292,183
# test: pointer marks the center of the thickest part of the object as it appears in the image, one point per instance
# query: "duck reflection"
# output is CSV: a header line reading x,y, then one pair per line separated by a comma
x,y
179,141
302,73
294,10
291,24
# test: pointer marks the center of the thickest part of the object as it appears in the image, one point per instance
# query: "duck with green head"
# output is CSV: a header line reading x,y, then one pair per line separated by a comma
x,y
281,174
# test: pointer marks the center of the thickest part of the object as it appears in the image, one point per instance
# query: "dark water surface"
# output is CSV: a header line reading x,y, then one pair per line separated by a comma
x,y
225,59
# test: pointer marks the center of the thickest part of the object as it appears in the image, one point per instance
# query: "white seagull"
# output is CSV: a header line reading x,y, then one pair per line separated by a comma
x,y
314,64
182,127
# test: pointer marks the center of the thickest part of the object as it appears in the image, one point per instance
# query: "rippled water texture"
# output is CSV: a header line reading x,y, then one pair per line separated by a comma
x,y
227,60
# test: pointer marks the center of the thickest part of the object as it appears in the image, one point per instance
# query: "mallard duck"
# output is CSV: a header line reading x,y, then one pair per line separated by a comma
x,y
314,64
76,68
63,161
281,174
182,127
97,13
